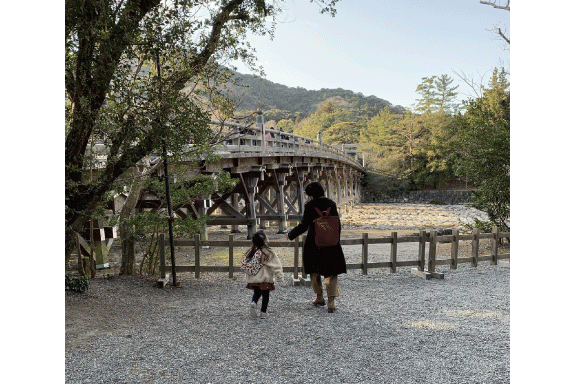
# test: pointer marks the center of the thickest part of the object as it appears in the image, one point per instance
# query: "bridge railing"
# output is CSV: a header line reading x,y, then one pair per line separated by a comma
x,y
242,140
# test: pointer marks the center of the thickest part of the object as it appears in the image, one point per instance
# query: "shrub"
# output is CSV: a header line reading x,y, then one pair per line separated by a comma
x,y
484,226
76,283
438,202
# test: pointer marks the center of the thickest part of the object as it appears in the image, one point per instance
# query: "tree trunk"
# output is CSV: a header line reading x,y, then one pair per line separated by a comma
x,y
127,261
126,233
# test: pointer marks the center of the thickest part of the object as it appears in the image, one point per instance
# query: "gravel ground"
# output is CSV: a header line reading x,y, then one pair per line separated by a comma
x,y
388,328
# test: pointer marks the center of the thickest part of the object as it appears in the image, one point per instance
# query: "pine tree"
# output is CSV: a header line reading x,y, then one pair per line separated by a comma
x,y
446,94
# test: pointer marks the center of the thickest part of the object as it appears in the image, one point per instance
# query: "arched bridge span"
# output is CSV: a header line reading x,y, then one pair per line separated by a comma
x,y
273,168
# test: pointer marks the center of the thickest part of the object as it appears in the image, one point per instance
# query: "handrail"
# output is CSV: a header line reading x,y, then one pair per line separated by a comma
x,y
249,139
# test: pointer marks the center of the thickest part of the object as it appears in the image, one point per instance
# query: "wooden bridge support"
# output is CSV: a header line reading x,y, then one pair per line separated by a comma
x,y
234,201
280,181
272,193
250,181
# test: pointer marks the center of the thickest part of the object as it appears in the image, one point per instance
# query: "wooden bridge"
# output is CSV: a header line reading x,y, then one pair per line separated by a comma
x,y
273,168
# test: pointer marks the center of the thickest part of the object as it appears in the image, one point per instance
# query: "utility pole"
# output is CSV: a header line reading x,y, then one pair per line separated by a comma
x,y
167,182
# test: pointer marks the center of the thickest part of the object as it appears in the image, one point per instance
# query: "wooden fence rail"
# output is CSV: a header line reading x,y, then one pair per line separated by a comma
x,y
422,238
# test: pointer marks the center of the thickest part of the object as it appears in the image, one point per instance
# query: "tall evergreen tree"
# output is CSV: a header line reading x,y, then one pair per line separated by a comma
x,y
482,148
428,100
446,94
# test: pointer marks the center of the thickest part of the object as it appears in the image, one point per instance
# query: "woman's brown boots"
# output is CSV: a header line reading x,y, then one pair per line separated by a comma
x,y
331,304
319,300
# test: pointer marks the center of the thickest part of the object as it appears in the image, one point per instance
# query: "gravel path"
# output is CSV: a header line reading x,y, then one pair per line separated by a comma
x,y
388,328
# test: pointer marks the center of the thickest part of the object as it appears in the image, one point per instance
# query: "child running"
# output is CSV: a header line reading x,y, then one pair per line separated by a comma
x,y
261,265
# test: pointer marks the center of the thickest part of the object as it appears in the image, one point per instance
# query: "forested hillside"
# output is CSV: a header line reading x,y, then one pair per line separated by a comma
x,y
266,95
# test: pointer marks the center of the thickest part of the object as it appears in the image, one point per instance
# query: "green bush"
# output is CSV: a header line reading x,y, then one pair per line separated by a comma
x,y
438,202
76,283
484,226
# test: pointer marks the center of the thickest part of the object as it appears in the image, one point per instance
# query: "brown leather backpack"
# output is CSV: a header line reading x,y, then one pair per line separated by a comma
x,y
327,229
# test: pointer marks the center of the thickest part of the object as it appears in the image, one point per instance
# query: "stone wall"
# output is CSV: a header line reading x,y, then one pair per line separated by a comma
x,y
423,197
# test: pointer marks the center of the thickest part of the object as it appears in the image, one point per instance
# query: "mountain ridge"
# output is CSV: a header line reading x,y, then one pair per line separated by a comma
x,y
266,95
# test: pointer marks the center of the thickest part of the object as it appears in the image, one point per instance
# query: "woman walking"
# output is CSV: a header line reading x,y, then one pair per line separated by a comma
x,y
326,261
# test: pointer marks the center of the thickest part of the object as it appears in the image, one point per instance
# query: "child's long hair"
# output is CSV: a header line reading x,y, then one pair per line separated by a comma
x,y
258,242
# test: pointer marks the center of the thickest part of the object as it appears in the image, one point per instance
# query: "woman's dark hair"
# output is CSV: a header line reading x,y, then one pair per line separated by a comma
x,y
258,242
314,189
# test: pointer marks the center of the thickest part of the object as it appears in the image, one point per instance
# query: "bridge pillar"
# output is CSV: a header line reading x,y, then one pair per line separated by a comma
x,y
251,181
202,207
315,173
328,172
338,186
328,185
234,203
262,209
357,191
300,190
280,201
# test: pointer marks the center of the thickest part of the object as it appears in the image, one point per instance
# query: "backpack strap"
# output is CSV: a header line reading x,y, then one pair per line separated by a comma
x,y
325,213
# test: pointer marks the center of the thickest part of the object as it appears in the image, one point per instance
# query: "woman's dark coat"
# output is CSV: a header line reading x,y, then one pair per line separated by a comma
x,y
327,261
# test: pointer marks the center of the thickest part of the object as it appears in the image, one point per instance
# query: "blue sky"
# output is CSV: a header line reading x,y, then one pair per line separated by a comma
x,y
383,47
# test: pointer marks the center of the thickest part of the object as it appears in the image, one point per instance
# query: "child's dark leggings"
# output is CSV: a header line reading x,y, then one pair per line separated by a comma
x,y
265,297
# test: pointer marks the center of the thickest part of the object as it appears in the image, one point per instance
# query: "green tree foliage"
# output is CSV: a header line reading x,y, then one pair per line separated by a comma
x,y
432,163
337,119
114,92
412,148
445,94
266,95
344,132
383,144
482,148
145,226
286,125
428,98
436,95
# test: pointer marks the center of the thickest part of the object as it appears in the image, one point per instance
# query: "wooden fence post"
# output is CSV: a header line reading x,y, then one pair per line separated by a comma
x,y
163,280
364,253
475,246
230,256
422,251
394,251
197,256
495,240
454,249
432,252
296,249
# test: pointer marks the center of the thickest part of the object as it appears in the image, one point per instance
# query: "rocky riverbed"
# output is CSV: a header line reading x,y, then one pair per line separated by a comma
x,y
403,216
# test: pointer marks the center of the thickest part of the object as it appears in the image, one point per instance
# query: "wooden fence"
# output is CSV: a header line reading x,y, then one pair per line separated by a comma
x,y
420,262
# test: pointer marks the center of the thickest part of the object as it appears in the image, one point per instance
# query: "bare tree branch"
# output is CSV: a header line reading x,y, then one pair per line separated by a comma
x,y
497,6
506,39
